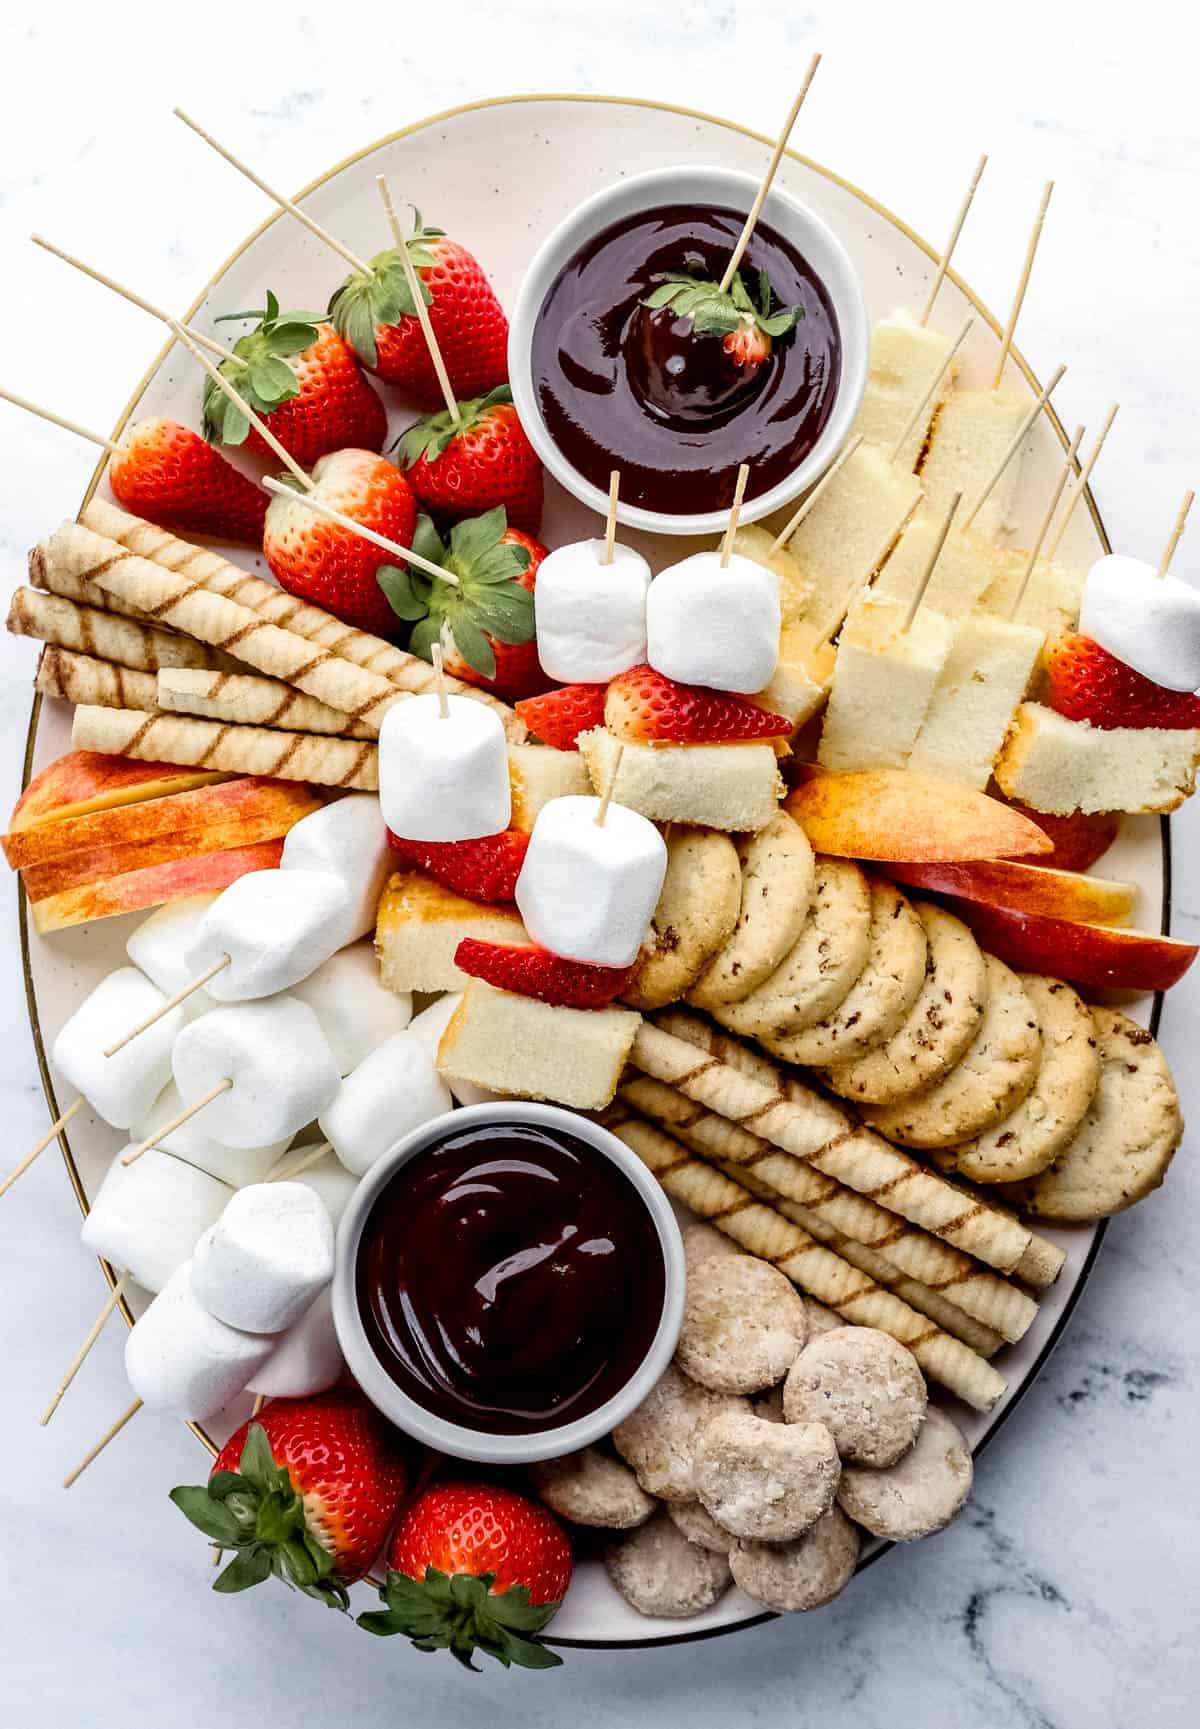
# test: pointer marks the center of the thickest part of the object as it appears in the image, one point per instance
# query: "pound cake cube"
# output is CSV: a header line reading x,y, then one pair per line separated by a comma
x,y
1052,597
882,685
800,687
727,786
537,774
843,541
986,674
533,1050
758,543
970,436
905,359
1058,765
420,926
965,569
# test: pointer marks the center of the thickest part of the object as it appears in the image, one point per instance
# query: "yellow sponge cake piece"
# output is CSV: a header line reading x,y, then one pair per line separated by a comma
x,y
757,543
882,685
986,674
1058,765
965,569
905,359
802,678
726,786
420,926
850,531
1052,595
970,436
537,774
534,1050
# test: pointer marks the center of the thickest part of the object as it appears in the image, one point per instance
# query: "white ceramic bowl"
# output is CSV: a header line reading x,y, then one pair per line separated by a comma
x,y
815,242
436,1431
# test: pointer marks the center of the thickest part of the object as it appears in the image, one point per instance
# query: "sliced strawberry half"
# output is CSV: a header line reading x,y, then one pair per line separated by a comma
x,y
482,870
534,972
1087,683
644,707
558,717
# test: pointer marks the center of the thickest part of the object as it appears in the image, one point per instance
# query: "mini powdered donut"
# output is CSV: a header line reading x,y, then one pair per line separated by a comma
x,y
865,1388
699,1527
658,1572
592,1488
763,1480
701,1241
743,1323
918,1495
659,1438
804,1574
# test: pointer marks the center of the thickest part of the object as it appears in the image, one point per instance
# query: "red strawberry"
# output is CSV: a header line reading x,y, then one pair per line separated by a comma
x,y
558,717
303,379
307,1490
474,1567
486,460
485,623
483,870
696,347
644,707
534,972
324,563
1087,683
166,473
377,317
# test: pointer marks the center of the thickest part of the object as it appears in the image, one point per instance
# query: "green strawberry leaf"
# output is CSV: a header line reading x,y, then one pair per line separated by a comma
x,y
272,379
427,542
293,337
740,294
257,1464
235,425
780,323
222,1484
474,646
460,1614
477,535
424,636
246,1570
207,1515
400,591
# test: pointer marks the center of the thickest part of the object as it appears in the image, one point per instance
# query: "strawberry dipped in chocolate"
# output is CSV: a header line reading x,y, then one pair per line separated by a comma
x,y
694,349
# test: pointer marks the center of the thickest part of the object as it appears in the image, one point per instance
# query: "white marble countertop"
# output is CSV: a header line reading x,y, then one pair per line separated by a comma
x,y
1068,1596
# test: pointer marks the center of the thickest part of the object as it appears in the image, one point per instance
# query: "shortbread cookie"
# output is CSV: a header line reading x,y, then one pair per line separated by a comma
x,y
1031,1137
592,1488
990,1079
802,1574
659,1438
878,1000
699,1527
1126,1140
763,1480
777,883
743,1324
696,914
864,1387
939,1026
919,1494
822,964
658,1572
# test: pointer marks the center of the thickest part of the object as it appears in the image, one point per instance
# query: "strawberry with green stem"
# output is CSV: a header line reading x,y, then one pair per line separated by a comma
x,y
695,348
485,459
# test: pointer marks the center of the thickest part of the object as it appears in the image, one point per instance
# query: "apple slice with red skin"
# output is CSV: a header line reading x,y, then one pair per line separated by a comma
x,y
1030,888
88,780
890,813
1079,840
1098,956
137,890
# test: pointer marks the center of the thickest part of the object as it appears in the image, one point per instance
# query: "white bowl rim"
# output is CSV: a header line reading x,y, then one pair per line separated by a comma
x,y
474,1444
681,183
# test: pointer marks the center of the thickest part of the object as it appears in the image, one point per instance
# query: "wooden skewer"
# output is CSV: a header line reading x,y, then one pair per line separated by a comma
x,y
260,1400
1019,438
283,1172
402,554
439,676
94,1332
835,624
217,1553
735,257
94,1452
1080,486
1176,532
1010,329
610,521
935,385
108,444
213,346
330,240
915,604
935,286
35,1152
610,788
180,996
418,299
1068,468
818,492
239,401
177,1122
735,510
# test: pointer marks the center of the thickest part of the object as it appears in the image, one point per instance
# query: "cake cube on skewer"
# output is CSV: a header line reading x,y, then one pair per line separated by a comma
x,y
985,676
905,358
1058,765
420,926
969,440
843,541
966,566
537,774
883,684
727,786
758,543
800,687
1052,595
534,1050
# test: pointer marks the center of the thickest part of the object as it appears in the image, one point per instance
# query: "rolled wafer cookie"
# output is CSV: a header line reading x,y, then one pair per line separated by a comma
x,y
304,756
248,700
85,630
815,1269
82,678
76,588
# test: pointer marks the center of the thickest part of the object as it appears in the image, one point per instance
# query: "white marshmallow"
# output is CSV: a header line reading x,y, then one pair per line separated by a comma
x,y
444,777
265,1259
349,840
355,1010
146,1218
394,1091
587,890
306,1360
590,616
120,1088
278,1059
159,947
712,626
429,1026
276,926
236,1166
1152,623
329,1180
181,1359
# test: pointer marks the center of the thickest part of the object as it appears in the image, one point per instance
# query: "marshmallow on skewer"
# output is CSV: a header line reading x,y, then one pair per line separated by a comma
x,y
275,1055
120,1088
347,838
429,1026
355,1010
276,926
146,1218
182,1359
590,616
394,1091
328,1179
714,624
265,1259
235,1166
160,943
307,1358
588,888
443,776
1150,622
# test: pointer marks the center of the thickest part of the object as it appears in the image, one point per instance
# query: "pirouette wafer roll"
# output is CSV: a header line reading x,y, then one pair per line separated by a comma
x,y
950,1277
249,700
1041,1263
76,587
810,1265
702,1064
64,623
82,678
208,570
236,749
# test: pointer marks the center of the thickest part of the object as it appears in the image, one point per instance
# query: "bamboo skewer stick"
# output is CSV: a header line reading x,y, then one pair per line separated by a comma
x,y
735,257
36,1151
915,604
283,1172
94,1451
439,674
1176,532
818,492
94,1332
606,799
735,510
1068,469
402,554
935,385
418,299
239,401
835,624
260,1400
935,286
85,432
177,1122
1010,329
209,342
1039,402
1080,486
610,521
181,996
